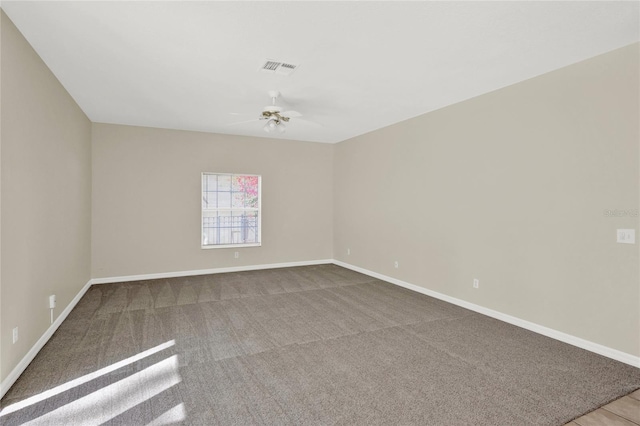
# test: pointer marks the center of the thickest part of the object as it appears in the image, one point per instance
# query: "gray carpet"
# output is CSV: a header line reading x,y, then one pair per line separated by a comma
x,y
315,345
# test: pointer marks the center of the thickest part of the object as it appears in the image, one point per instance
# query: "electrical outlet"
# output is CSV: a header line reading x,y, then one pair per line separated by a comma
x,y
15,335
476,283
236,254
396,264
348,251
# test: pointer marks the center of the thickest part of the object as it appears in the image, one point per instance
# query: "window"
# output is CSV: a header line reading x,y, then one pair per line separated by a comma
x,y
230,210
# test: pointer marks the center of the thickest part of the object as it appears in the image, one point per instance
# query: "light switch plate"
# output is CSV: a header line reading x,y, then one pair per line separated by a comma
x,y
626,236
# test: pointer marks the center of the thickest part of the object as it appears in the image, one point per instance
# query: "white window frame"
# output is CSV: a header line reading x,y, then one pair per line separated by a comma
x,y
258,210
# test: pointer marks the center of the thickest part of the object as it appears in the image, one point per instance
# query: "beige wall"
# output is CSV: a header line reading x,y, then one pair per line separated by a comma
x,y
510,188
46,196
146,199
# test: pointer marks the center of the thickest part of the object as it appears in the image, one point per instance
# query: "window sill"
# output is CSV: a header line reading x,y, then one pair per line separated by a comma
x,y
217,246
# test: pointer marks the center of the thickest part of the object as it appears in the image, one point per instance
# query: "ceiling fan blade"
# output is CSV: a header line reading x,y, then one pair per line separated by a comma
x,y
291,114
312,123
243,122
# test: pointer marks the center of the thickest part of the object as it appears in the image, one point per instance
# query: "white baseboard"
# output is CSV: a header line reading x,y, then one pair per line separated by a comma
x,y
24,362
141,277
546,331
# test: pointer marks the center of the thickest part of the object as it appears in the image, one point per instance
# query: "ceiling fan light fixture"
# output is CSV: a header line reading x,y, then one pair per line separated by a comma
x,y
273,125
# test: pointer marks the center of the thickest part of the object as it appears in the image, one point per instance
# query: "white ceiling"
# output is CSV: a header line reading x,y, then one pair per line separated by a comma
x,y
363,65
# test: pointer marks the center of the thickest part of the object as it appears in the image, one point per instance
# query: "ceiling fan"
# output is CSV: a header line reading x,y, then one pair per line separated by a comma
x,y
274,115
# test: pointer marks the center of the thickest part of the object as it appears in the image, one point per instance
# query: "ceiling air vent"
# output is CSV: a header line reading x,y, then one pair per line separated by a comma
x,y
277,67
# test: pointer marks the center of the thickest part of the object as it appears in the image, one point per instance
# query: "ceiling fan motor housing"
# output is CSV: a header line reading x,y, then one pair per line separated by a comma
x,y
272,108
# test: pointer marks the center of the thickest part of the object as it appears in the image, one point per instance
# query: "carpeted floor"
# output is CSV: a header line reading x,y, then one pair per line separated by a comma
x,y
315,345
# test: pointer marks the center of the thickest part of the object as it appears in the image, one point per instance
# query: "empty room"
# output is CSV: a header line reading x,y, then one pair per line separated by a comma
x,y
320,213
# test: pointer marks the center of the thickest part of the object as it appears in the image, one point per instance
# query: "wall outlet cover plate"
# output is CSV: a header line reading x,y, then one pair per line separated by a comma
x,y
626,236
